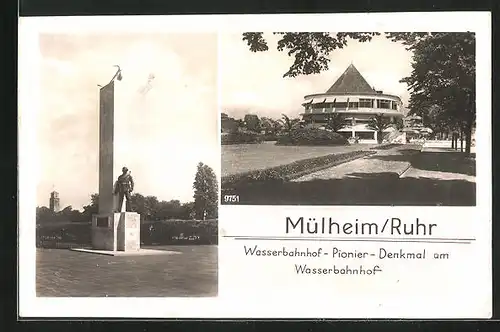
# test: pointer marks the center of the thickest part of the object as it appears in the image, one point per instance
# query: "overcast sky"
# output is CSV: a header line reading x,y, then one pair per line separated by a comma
x,y
175,122
253,82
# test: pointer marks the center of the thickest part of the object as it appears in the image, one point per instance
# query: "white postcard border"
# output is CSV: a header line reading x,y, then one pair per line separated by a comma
x,y
219,307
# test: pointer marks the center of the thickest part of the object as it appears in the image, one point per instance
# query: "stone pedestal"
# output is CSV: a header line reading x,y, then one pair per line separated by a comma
x,y
116,231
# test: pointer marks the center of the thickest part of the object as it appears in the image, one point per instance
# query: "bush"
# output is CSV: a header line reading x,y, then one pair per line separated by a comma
x,y
290,171
269,137
240,137
63,235
166,232
312,136
385,146
180,232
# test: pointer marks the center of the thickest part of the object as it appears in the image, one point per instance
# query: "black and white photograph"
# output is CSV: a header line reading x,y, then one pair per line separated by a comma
x,y
128,163
348,118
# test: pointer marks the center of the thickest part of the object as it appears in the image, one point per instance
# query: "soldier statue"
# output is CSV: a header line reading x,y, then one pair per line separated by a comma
x,y
123,187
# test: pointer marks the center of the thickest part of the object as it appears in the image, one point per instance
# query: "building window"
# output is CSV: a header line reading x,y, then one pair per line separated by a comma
x,y
318,118
353,104
366,103
348,121
382,103
365,134
346,134
361,120
340,105
394,105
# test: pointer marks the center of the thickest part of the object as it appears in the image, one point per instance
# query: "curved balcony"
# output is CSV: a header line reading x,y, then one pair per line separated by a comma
x,y
353,104
357,111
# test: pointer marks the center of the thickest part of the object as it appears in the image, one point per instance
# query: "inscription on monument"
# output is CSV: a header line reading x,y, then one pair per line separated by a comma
x,y
102,222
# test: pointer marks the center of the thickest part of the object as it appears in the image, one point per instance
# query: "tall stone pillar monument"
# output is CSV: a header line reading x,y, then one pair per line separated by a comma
x,y
113,228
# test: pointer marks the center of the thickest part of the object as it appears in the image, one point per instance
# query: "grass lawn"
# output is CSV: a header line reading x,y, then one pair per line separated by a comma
x,y
246,157
61,272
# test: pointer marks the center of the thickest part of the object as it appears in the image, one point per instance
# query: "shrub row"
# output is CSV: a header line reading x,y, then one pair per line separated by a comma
x,y
269,137
166,232
180,232
240,137
385,146
292,170
312,136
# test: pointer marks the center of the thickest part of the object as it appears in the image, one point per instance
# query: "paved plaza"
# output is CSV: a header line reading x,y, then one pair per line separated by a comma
x,y
192,273
395,160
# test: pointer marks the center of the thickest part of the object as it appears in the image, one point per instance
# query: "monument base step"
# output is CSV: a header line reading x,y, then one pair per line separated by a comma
x,y
140,252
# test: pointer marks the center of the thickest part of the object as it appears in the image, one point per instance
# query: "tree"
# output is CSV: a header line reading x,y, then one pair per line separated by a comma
x,y
68,214
267,124
206,193
399,124
252,122
289,124
379,123
310,49
240,123
277,126
335,122
187,211
90,209
443,73
44,215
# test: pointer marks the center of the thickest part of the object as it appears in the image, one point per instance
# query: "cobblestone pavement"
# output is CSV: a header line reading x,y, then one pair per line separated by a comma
x,y
63,272
379,163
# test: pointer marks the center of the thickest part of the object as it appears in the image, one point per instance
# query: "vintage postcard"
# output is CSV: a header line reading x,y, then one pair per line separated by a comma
x,y
256,166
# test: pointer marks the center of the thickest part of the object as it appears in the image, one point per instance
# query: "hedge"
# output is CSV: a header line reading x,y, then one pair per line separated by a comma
x,y
180,232
312,137
269,137
240,137
291,171
385,146
168,232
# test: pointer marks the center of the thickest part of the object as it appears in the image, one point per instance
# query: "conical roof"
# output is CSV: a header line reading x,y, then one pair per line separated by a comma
x,y
351,81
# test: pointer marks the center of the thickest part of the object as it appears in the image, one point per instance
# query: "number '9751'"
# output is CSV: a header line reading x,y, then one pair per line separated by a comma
x,y
231,198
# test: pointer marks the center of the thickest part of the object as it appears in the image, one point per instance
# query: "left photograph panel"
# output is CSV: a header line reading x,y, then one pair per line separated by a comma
x,y
128,153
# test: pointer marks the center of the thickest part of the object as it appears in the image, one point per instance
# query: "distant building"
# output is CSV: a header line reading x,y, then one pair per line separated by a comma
x,y
54,203
354,98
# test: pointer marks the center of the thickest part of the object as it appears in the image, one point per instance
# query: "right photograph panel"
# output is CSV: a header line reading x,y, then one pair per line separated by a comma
x,y
348,118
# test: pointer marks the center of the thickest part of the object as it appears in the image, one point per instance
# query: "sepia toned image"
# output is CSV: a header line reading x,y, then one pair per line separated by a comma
x,y
127,139
348,118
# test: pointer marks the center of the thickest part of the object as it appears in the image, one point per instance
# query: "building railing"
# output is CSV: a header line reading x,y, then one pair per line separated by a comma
x,y
370,110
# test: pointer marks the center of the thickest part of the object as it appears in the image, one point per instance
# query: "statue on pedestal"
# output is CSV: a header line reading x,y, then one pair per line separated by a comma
x,y
123,188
